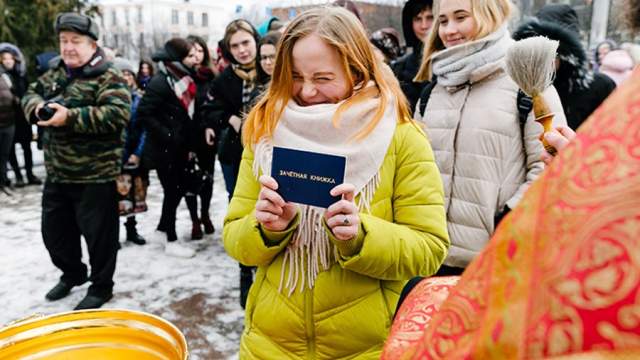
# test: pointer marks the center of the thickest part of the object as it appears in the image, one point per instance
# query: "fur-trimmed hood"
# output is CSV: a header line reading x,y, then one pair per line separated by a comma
x,y
21,64
574,66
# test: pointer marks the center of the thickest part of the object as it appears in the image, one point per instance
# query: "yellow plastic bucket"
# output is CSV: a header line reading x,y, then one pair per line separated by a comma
x,y
93,334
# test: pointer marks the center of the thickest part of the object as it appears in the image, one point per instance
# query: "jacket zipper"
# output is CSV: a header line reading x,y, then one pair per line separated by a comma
x,y
308,321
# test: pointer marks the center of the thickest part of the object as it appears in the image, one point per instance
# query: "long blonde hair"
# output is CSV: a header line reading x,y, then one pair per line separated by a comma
x,y
489,16
343,31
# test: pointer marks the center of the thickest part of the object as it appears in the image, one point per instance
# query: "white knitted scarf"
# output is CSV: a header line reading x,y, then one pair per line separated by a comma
x,y
455,66
310,128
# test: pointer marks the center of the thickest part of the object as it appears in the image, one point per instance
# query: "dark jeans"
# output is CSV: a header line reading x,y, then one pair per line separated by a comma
x,y
230,173
6,143
28,160
207,158
90,210
171,181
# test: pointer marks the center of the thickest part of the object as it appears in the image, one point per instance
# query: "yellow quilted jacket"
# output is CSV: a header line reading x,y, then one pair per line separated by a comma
x,y
348,313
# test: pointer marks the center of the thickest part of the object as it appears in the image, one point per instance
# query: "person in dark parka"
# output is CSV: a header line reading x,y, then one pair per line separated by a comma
x,y
230,98
417,19
581,91
166,111
206,153
16,70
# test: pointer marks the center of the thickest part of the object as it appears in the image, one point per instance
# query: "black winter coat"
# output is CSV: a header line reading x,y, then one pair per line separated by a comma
x,y
171,134
405,70
580,103
224,100
406,67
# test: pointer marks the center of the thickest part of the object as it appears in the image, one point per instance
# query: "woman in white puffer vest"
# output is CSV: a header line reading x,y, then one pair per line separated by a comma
x,y
486,157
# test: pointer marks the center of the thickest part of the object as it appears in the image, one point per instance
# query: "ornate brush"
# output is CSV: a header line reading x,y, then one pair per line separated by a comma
x,y
531,65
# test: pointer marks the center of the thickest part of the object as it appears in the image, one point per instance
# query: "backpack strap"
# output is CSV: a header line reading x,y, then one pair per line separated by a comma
x,y
425,94
525,105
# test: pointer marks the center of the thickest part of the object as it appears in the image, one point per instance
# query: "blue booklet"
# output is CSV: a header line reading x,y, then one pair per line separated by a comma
x,y
307,177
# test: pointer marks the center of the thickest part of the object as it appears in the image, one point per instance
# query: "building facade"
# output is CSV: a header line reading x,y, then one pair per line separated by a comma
x,y
597,22
136,28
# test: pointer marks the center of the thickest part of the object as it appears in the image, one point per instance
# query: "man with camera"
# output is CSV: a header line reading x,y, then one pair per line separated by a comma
x,y
83,104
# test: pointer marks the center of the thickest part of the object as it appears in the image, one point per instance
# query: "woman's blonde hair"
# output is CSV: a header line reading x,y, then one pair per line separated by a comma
x,y
489,16
341,30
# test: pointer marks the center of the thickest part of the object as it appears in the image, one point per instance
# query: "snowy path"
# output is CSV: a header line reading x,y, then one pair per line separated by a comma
x,y
199,295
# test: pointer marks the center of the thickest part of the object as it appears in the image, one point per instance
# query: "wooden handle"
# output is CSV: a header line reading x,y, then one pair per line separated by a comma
x,y
545,117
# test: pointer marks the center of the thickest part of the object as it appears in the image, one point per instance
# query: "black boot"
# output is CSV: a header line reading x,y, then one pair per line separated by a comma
x,y
246,280
61,290
132,233
19,182
93,302
208,225
196,230
33,180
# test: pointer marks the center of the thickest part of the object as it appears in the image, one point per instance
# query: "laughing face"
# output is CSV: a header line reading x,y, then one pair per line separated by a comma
x,y
318,76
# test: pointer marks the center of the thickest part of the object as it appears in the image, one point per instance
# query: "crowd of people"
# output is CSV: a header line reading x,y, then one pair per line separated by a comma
x,y
441,147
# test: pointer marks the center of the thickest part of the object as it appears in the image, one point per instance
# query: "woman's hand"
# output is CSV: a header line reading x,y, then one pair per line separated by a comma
x,y
342,217
558,138
235,123
134,159
209,136
272,212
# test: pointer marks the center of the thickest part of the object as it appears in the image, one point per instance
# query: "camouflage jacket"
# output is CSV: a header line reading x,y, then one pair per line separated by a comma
x,y
88,149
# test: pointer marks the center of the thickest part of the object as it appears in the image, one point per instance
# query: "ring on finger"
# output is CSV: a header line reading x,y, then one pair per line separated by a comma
x,y
346,220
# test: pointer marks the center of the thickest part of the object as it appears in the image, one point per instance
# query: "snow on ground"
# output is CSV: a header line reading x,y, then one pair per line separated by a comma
x,y
199,295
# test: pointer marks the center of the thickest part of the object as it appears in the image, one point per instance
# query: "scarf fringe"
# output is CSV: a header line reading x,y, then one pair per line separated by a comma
x,y
310,251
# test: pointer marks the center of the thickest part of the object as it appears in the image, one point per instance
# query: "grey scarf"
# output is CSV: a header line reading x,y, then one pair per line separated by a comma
x,y
456,65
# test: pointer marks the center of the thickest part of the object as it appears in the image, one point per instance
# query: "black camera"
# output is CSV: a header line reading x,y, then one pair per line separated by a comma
x,y
46,112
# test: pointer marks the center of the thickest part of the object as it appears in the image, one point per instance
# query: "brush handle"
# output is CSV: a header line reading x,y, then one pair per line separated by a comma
x,y
545,117
547,124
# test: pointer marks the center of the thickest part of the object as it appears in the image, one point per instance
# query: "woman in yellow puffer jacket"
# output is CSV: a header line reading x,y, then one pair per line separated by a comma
x,y
328,279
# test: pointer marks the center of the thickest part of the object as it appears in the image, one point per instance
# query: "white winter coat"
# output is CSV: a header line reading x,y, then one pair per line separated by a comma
x,y
479,148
